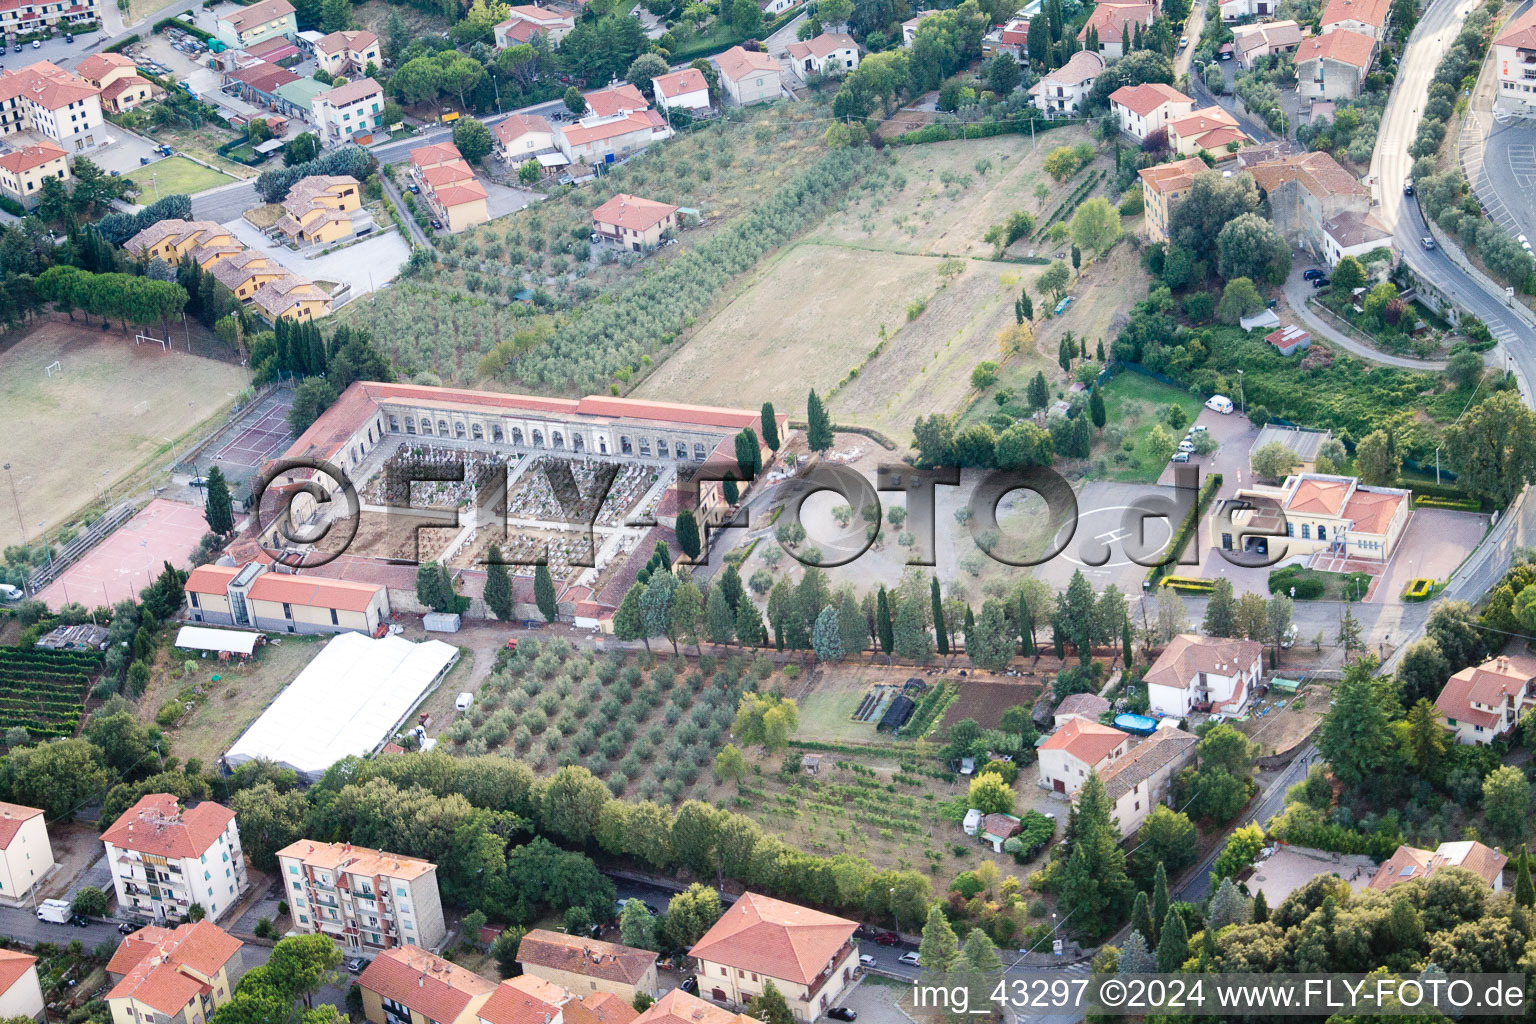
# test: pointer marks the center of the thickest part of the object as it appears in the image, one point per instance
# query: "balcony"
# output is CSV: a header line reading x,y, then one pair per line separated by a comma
x,y
827,972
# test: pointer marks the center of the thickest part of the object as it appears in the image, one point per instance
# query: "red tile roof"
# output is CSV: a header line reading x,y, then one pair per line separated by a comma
x,y
166,969
588,957
1367,12
599,1008
1172,177
1083,65
13,964
1338,44
1087,741
620,99
524,1000
211,579
1409,862
1521,32
778,939
1145,98
1372,511
678,1007
436,153
357,41
737,63
632,212
460,193
823,45
431,986
1188,655
1112,19
28,157
12,817
352,92
98,65
257,14
312,593
517,125
1493,683
157,825
47,85
629,124
677,83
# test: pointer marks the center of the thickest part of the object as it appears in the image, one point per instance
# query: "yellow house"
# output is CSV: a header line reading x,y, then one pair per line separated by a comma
x,y
1161,186
408,985
173,976
585,965
23,171
170,240
461,204
809,956
245,272
318,207
210,256
1315,513
291,298
118,78
25,855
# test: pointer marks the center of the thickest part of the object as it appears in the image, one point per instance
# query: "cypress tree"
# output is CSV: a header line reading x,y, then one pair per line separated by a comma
x,y
730,489
818,433
970,625
688,533
749,626
1026,628
770,428
1100,355
940,631
498,585
216,504
883,622
1125,644
1096,410
626,619
1525,893
1160,900
778,633
1260,908
544,592
1141,918
1058,643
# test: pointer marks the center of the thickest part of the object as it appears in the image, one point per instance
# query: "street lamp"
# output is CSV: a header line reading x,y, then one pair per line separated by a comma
x,y
1240,394
893,910
19,521
43,527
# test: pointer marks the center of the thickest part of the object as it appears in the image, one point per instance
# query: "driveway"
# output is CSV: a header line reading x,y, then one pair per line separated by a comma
x,y
123,154
365,266
1434,543
503,199
1235,436
1299,292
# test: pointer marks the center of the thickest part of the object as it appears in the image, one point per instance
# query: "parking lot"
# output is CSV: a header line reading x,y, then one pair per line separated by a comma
x,y
367,265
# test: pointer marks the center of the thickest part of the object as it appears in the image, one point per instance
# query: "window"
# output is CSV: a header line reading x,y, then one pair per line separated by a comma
x,y
1306,531
287,611
1322,532
334,620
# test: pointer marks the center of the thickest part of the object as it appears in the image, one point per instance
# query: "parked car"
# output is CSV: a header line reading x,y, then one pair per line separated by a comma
x,y
887,939
37,44
842,1013
1187,447
1225,55
1311,275
1321,282
1407,188
910,958
865,960
1428,243
1180,457
354,964
127,928
1199,428
437,225
19,47
79,921
69,39
1183,41
690,984
413,188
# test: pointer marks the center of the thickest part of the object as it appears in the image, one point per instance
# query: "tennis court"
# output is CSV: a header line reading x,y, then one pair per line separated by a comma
x,y
248,442
130,558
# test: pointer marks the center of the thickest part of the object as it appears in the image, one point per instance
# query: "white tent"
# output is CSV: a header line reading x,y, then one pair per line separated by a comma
x,y
201,638
349,700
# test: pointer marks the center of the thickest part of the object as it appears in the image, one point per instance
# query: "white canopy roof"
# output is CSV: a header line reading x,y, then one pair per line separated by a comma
x,y
201,638
348,700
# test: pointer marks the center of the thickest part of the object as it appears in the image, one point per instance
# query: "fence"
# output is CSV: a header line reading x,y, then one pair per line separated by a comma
x,y
83,542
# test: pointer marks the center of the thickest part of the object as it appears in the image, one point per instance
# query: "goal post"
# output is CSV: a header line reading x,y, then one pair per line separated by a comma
x,y
139,339
53,368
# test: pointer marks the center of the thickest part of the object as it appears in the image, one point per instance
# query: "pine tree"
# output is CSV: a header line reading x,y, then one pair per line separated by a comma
x,y
770,428
939,948
217,509
1221,611
1228,906
1172,944
1260,908
1141,917
912,639
883,622
1135,956
498,585
818,431
688,533
778,633
941,634
749,626
1160,900
626,618
544,592
719,621
730,586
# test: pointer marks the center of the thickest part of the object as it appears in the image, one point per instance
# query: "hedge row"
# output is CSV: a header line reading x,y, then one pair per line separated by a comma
x,y
1186,528
976,130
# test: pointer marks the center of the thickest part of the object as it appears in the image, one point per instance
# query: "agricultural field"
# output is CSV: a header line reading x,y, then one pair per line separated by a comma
x,y
43,691
175,175
649,726
114,406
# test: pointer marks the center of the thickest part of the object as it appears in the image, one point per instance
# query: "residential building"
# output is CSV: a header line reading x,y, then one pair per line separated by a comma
x,y
449,186
831,53
323,208
1332,66
1114,23
1319,513
1161,186
258,84
33,15
525,1000
296,299
408,985
1205,673
525,19
748,76
243,272
283,603
1368,17
243,27
1080,746
348,111
23,171
1062,91
1483,703
585,965
997,828
1306,191
1085,706
1141,779
170,240
600,1008
163,859
1011,38
117,77
364,899
1354,233
687,89
520,137
52,102
348,52
604,139
1250,43
173,976
1409,862
678,1007
809,956
1143,109
424,158
1232,10
1304,444
1210,130
634,223
26,856
614,100
1289,340
21,994
909,27
1514,53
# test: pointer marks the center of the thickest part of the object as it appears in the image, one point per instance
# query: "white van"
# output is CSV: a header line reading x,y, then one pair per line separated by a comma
x,y
10,593
56,911
1219,403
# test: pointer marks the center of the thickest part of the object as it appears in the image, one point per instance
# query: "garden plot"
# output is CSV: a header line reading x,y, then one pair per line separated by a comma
x,y
947,203
43,691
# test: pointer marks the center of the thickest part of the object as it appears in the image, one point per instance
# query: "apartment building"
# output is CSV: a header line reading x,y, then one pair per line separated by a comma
x,y
164,859
364,899
50,101
173,976
1161,186
21,993
585,965
25,853
246,26
323,208
347,111
297,299
23,171
34,15
408,985
170,240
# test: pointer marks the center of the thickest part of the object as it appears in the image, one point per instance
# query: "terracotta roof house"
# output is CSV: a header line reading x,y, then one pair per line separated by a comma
x,y
200,844
1113,20
1332,66
1079,747
831,53
1140,780
426,157
525,21
524,1000
1143,109
321,209
678,1007
1328,512
1062,91
24,169
1353,233
1367,17
21,993
809,956
291,298
633,222
1087,706
348,52
1161,186
182,975
997,829
1305,192
748,76
421,989
1482,703
614,100
1210,130
1410,862
1251,42
256,23
687,89
600,1008
520,137
25,853
588,965
1196,671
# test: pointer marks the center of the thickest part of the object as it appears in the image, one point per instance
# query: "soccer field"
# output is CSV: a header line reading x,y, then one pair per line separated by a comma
x,y
175,175
114,405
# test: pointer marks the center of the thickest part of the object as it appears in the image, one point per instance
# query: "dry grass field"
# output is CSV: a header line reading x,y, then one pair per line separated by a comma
x,y
114,406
